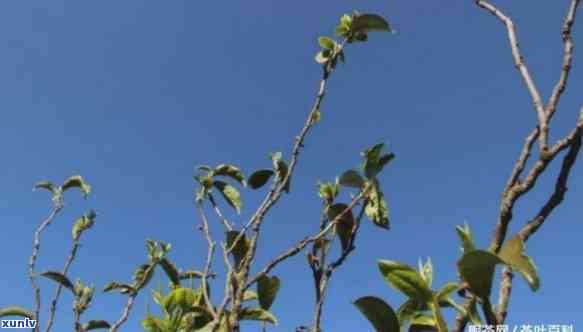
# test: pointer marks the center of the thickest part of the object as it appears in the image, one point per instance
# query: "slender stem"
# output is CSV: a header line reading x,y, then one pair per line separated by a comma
x,y
59,289
209,259
32,262
125,314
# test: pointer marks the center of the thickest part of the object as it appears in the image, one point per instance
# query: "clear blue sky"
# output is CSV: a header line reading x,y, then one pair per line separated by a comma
x,y
134,94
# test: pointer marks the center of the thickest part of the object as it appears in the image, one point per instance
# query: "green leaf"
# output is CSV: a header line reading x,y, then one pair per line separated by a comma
x,y
376,208
281,168
465,235
250,295
230,171
258,314
59,278
423,323
171,271
328,191
230,194
405,279
77,181
259,178
344,225
82,224
47,185
96,324
374,162
474,315
322,57
16,311
513,254
426,271
182,298
143,275
267,288
327,43
364,23
409,310
122,288
153,324
378,313
477,268
240,249
351,178
447,289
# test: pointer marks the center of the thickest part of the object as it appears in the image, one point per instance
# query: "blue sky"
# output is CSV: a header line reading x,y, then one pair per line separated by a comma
x,y
134,94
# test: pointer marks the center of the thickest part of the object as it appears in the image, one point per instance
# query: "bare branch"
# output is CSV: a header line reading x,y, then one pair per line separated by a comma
x,y
222,218
303,243
559,193
32,262
522,159
566,35
209,258
126,312
504,295
59,289
523,69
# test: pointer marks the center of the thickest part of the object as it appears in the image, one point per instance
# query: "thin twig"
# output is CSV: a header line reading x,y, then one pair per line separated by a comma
x,y
222,218
566,36
32,262
303,243
55,300
126,312
522,68
209,258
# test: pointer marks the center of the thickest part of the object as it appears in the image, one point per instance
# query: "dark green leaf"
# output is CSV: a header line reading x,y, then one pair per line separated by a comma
x,y
240,248
190,275
16,311
230,171
322,57
122,288
327,43
259,178
378,313
96,324
143,275
513,254
47,185
230,194
267,288
365,23
477,268
171,271
345,223
258,314
351,178
77,181
408,310
59,278
405,279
